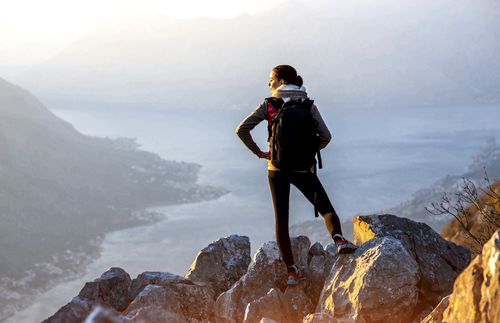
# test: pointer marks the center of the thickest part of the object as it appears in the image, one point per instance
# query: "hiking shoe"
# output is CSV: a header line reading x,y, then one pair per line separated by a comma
x,y
295,275
343,245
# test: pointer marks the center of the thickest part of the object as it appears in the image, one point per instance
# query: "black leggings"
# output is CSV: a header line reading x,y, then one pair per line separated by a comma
x,y
310,186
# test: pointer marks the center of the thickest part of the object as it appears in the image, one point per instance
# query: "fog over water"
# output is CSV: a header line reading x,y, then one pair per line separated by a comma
x,y
375,161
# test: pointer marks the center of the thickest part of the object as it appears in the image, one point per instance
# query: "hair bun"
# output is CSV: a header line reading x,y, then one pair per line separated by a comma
x,y
298,80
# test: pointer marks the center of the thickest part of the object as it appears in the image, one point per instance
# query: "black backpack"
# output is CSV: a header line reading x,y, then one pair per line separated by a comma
x,y
293,135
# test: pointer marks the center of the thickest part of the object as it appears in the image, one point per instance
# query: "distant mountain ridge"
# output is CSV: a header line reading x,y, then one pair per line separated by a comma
x,y
369,54
61,191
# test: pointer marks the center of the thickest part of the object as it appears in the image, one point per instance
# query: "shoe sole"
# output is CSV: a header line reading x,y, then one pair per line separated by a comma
x,y
346,250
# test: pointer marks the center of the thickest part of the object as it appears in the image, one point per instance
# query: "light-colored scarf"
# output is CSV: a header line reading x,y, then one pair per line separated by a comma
x,y
290,92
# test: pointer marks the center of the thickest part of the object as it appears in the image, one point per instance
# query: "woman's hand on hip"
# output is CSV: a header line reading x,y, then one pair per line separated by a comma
x,y
265,155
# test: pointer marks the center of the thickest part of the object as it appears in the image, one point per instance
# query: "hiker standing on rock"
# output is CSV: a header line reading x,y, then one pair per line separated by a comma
x,y
296,135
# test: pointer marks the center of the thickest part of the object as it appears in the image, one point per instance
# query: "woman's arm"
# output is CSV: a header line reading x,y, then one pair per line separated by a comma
x,y
244,128
324,134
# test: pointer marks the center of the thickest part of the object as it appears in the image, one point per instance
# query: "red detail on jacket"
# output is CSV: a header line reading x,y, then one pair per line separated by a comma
x,y
271,112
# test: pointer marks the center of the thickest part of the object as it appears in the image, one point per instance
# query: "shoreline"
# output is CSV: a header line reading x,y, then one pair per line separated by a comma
x,y
75,266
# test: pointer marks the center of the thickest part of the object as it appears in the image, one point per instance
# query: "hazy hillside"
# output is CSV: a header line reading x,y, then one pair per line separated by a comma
x,y
362,53
414,207
61,190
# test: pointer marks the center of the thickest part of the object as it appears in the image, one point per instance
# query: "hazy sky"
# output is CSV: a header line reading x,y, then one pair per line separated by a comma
x,y
33,30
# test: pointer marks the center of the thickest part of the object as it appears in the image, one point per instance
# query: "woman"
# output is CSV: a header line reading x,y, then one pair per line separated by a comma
x,y
284,83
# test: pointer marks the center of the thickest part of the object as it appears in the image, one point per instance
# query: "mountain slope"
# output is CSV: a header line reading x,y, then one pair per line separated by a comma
x,y
61,190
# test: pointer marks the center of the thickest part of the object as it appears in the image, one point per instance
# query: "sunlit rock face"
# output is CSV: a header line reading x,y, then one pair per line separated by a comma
x,y
385,280
379,281
221,263
476,292
439,261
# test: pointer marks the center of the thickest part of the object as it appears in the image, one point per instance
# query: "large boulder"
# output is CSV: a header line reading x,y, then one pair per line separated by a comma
x,y
272,306
476,292
155,304
221,263
439,261
109,290
267,271
377,283
298,302
186,300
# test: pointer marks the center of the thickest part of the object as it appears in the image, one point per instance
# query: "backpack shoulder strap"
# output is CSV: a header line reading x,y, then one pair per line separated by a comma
x,y
273,107
307,104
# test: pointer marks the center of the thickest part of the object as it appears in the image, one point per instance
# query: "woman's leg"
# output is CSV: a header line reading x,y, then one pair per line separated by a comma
x,y
310,186
279,183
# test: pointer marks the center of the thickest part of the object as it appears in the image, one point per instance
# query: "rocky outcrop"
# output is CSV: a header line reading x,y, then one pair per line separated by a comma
x,y
110,290
386,279
266,272
221,263
438,260
155,304
379,281
476,292
246,298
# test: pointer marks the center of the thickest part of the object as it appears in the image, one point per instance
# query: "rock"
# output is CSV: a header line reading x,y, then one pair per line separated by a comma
x,y
300,250
75,311
439,261
331,256
316,271
319,318
196,301
273,306
111,289
476,292
437,314
104,315
155,278
377,283
155,304
316,250
267,271
221,263
185,300
299,302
